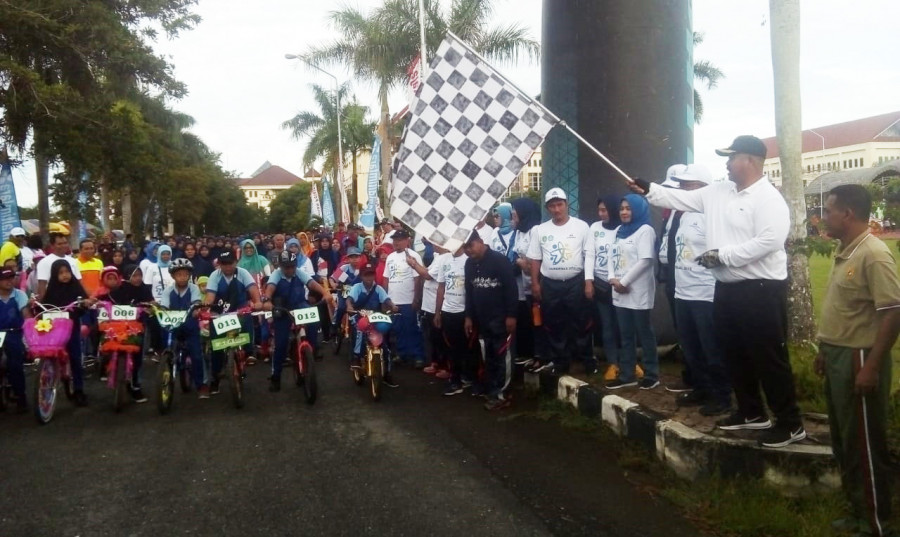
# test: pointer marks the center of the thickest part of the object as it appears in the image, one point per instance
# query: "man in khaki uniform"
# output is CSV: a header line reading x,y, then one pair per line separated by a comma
x,y
860,322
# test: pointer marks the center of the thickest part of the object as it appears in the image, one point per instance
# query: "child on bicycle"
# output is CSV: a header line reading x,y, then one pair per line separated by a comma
x,y
287,289
110,283
367,295
63,289
346,275
180,296
229,289
14,310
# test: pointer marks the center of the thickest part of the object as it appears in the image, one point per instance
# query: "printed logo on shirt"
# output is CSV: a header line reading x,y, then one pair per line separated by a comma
x,y
485,283
559,253
602,255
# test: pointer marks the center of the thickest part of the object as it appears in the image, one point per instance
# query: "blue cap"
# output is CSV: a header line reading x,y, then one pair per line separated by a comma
x,y
353,250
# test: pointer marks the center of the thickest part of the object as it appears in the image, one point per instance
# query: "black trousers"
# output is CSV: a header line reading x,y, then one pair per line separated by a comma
x,y
751,324
460,348
525,329
566,313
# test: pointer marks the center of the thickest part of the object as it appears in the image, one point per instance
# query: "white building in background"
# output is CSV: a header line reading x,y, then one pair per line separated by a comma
x,y
530,178
861,143
267,181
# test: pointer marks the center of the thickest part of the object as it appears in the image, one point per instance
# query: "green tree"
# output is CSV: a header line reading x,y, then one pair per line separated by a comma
x,y
379,46
707,74
63,64
290,211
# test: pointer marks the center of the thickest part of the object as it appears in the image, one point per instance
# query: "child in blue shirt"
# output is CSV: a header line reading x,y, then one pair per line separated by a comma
x,y
180,296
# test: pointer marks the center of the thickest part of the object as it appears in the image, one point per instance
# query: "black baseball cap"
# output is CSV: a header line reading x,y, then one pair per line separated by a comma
x,y
400,234
750,145
6,274
226,258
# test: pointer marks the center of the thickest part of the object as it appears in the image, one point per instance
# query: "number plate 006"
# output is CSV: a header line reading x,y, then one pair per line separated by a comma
x,y
306,315
226,323
124,313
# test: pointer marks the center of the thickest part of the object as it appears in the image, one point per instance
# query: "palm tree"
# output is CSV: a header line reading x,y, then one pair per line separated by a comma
x,y
322,130
379,46
706,73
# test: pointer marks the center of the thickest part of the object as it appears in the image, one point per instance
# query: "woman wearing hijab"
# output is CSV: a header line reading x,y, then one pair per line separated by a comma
x,y
525,215
325,262
603,236
201,267
303,262
150,253
634,288
117,259
157,275
63,289
257,265
503,238
305,246
132,257
205,254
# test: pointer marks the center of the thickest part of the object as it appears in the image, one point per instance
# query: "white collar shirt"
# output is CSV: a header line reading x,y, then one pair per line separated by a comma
x,y
747,227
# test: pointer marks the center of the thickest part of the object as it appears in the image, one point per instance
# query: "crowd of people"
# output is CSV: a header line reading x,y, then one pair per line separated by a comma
x,y
540,294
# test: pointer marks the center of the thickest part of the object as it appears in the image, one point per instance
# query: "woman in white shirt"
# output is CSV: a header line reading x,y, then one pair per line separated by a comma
x,y
603,236
526,215
634,289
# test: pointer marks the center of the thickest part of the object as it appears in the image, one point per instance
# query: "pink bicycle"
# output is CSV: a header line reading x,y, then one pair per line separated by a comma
x,y
46,335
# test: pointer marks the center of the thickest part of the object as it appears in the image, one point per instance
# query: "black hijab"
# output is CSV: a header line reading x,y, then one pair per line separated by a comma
x,y
62,294
528,212
612,204
131,294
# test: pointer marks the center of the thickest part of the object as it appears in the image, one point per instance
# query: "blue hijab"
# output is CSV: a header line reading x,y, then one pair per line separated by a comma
x,y
159,261
640,215
504,211
612,204
148,251
301,257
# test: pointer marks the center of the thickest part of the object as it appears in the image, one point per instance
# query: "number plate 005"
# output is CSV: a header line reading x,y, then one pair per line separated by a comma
x,y
306,315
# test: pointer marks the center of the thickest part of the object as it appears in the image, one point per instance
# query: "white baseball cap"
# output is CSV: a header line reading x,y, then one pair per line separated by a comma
x,y
555,193
694,172
668,182
17,232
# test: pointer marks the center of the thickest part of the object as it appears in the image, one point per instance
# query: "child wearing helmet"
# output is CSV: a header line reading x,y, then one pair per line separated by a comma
x,y
180,296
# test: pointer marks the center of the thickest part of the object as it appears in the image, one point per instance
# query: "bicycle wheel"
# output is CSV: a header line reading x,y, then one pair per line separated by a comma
x,y
45,390
237,378
121,373
295,362
375,371
184,373
310,384
165,385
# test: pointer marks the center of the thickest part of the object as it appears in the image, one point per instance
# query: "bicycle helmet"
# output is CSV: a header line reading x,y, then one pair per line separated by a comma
x,y
181,264
286,258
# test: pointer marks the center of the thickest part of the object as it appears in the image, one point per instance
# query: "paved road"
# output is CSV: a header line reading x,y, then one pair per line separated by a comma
x,y
416,464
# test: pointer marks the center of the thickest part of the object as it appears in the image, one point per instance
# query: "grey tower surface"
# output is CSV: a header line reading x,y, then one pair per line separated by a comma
x,y
620,72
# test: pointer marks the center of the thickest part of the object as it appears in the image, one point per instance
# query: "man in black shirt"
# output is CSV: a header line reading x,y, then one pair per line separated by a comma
x,y
491,309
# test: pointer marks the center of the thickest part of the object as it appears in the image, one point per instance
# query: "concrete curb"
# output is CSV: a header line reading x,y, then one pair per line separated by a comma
x,y
692,454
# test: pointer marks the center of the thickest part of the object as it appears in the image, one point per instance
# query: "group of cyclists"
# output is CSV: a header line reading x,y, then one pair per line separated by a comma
x,y
333,271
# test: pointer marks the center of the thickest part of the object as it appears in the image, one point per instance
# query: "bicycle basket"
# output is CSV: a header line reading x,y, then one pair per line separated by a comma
x,y
47,337
127,336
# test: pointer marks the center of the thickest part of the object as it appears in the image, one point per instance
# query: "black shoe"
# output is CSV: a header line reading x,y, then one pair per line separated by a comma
x,y
715,408
616,384
737,422
275,385
780,437
647,384
137,395
214,387
80,398
678,387
693,398
388,381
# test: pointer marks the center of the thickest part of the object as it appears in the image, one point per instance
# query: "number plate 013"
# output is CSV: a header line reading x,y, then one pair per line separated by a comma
x,y
226,323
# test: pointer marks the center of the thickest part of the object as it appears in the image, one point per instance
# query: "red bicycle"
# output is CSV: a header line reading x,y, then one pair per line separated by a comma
x,y
301,350
231,340
122,335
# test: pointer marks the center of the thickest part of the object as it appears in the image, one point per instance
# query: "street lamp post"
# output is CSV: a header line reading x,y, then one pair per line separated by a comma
x,y
337,98
821,182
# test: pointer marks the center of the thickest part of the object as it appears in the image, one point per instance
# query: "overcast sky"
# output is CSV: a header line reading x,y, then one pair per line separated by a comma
x,y
241,86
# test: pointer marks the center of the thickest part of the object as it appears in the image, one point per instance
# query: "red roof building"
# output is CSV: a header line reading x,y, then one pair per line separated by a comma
x,y
268,180
861,143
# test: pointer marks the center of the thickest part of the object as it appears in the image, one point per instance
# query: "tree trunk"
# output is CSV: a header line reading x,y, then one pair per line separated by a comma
x,y
784,17
42,168
126,210
354,199
384,130
104,205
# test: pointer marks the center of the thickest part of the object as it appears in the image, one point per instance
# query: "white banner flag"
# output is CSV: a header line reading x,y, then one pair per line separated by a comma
x,y
316,208
470,133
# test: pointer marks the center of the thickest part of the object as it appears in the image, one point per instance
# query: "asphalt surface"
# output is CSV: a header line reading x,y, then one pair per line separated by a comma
x,y
416,463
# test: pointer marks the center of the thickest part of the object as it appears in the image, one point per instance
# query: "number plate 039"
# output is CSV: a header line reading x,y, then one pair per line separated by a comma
x,y
306,315
226,323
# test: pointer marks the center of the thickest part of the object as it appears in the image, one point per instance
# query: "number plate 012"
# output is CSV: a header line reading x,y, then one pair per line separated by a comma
x,y
306,315
226,323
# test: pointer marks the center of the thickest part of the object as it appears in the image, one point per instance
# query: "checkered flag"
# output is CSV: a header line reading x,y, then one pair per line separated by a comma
x,y
470,133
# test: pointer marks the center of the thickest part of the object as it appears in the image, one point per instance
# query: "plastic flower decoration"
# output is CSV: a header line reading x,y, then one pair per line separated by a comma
x,y
44,325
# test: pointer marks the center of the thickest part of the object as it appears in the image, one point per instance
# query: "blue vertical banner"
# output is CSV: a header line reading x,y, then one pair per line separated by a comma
x,y
80,225
367,216
9,207
327,204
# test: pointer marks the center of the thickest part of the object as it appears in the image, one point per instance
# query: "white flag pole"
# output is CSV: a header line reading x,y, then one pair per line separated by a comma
x,y
559,121
423,59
